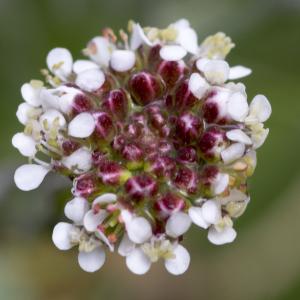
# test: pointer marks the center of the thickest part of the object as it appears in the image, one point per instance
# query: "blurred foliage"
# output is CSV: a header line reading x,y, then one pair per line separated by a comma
x,y
264,262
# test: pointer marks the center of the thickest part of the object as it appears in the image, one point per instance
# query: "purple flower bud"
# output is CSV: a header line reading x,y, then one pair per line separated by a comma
x,y
183,98
188,127
98,157
81,104
104,126
187,154
116,103
85,185
118,143
171,72
187,180
161,166
154,56
69,147
145,88
211,143
132,152
140,187
168,204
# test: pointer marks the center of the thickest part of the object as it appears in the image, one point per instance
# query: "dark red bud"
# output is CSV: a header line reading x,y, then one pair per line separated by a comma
x,y
85,185
69,147
116,103
81,104
110,172
132,152
162,166
184,99
104,126
187,154
168,204
187,180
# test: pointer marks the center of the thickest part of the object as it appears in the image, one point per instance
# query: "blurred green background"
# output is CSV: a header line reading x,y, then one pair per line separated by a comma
x,y
264,261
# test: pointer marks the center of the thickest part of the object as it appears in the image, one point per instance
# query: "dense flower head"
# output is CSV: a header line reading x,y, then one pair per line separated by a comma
x,y
153,133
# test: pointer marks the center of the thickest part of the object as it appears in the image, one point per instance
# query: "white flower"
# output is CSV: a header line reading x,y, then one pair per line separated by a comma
x,y
238,72
220,183
233,152
178,224
139,230
91,255
172,52
82,125
225,236
29,177
122,60
138,37
52,118
25,144
60,62
198,85
90,80
76,209
82,65
237,135
216,71
79,161
26,112
31,92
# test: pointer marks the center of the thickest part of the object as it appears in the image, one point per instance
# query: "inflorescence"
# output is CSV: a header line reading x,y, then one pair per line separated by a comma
x,y
153,135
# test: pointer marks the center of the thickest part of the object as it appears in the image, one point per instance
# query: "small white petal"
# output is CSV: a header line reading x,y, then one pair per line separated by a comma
x,y
180,263
238,107
211,211
180,24
201,62
91,261
216,71
29,177
227,235
99,50
260,108
198,85
76,209
23,112
126,216
196,216
237,72
139,230
92,220
138,37
172,52
66,96
122,60
259,138
233,152
105,199
187,38
50,99
138,262
61,235
178,224
31,94
237,135
25,144
80,160
90,80
126,246
220,183
82,125
59,62
51,118
83,65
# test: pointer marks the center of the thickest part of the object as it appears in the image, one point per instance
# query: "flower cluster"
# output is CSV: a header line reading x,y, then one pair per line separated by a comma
x,y
154,135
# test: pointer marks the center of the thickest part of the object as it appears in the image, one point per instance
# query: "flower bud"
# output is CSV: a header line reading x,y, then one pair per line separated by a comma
x,y
81,103
187,180
161,166
183,98
69,147
145,88
140,187
85,185
112,173
116,103
187,154
104,126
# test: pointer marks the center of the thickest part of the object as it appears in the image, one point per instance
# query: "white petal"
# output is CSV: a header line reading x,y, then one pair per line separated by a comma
x,y
76,209
29,177
237,72
172,52
261,108
259,138
52,117
31,94
82,125
66,98
139,230
91,261
90,80
83,65
126,216
126,246
105,199
23,112
220,183
59,62
201,62
137,262
92,220
25,144
216,71
178,224
196,216
187,38
61,235
233,152
138,37
211,211
238,107
50,99
80,160
181,24
237,135
180,263
227,235
122,60
99,50
198,85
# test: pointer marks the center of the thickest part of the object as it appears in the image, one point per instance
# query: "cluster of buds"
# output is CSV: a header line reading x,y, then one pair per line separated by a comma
x,y
154,135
